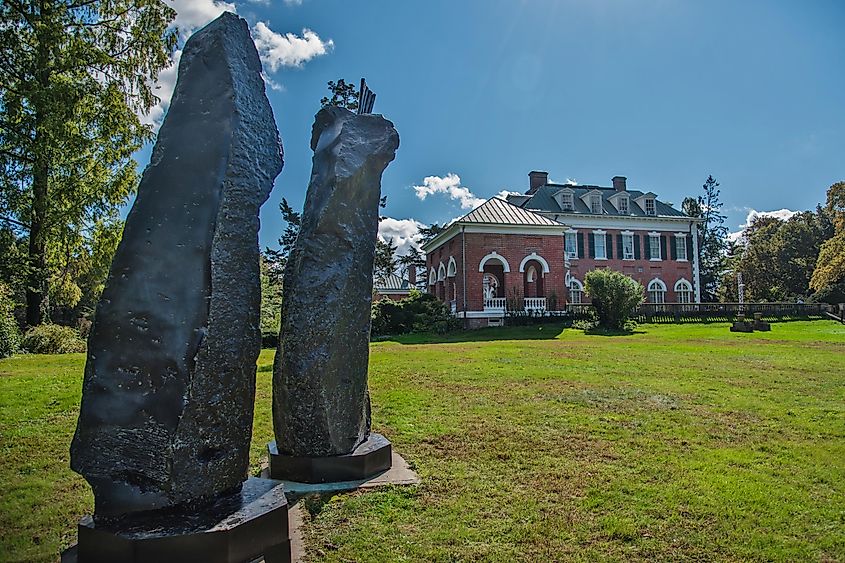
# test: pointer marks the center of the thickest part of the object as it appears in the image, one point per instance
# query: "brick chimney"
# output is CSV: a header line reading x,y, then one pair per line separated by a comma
x,y
619,183
412,276
536,179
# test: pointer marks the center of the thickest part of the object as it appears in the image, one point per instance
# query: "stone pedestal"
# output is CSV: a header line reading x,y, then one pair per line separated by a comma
x,y
236,528
760,324
370,458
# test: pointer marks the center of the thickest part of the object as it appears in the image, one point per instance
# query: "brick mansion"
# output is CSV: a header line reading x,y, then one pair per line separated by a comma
x,y
531,251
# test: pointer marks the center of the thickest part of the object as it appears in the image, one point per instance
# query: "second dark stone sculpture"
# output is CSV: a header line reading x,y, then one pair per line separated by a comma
x,y
321,405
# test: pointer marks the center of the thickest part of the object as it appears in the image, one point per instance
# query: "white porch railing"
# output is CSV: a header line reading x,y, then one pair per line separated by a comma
x,y
535,303
495,305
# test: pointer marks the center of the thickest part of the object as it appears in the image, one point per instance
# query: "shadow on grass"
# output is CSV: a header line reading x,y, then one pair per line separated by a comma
x,y
537,332
612,332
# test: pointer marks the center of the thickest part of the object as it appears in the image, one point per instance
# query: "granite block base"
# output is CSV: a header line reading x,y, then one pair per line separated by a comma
x,y
370,458
236,528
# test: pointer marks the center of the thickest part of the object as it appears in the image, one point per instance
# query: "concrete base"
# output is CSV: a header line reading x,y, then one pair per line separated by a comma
x,y
237,528
368,459
400,473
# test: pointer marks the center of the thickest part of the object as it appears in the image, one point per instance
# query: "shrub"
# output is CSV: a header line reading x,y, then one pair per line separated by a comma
x,y
52,339
615,297
419,312
9,334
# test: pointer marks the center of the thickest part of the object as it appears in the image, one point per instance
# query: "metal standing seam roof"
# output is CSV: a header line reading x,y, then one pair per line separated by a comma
x,y
543,200
500,212
391,282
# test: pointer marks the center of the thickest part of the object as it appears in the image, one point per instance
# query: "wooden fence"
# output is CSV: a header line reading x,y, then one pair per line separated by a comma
x,y
708,312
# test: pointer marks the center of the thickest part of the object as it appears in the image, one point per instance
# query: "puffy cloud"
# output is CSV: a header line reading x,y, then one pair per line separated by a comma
x,y
279,50
404,232
451,186
293,2
782,214
275,49
505,193
192,14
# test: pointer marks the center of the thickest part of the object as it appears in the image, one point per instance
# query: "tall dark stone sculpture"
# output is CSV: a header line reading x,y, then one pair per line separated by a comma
x,y
169,386
321,405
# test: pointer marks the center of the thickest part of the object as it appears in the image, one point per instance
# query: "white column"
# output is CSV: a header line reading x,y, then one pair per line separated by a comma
x,y
696,280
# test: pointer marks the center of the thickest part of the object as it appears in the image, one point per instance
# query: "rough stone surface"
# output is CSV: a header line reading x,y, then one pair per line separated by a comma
x,y
321,405
169,386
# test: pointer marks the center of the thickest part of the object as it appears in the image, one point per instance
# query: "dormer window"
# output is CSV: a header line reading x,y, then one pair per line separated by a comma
x,y
567,202
623,205
595,204
649,207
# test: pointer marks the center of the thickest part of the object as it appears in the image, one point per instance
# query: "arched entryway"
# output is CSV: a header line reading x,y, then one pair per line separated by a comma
x,y
494,267
534,269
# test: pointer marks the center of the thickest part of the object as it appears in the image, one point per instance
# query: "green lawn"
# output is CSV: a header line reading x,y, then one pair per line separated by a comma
x,y
678,442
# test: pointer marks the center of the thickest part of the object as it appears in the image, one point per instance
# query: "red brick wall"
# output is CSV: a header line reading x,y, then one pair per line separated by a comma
x,y
642,270
514,248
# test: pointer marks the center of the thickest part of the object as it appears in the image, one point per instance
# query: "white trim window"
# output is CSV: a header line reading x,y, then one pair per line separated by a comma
x,y
623,205
576,292
600,245
681,247
650,208
567,202
654,246
656,291
432,277
683,291
595,204
571,244
627,246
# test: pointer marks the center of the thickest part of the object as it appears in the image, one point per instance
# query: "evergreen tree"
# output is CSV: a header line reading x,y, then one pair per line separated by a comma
x,y
712,237
343,95
385,262
74,75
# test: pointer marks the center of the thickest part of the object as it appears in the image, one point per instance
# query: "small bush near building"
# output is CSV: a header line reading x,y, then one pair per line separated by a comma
x,y
615,297
52,339
419,312
9,335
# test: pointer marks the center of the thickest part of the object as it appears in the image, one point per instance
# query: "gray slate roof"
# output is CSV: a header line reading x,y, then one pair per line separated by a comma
x,y
543,200
391,282
500,212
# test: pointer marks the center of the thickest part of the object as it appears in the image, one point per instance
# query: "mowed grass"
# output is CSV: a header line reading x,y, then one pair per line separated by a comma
x,y
677,442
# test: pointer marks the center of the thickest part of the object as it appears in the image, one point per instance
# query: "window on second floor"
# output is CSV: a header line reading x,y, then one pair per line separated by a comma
x,y
654,247
649,207
571,245
595,204
681,247
600,246
627,247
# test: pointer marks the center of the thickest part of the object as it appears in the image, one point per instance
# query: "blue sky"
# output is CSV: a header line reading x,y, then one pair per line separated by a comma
x,y
664,92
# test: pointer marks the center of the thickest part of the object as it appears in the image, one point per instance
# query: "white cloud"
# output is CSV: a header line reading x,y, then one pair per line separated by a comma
x,y
505,193
782,214
571,182
293,2
192,14
274,48
451,186
279,50
404,232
